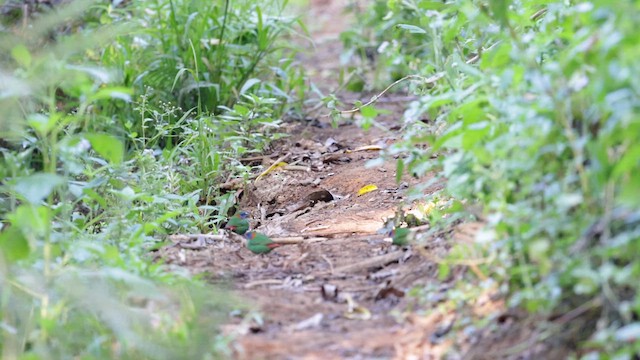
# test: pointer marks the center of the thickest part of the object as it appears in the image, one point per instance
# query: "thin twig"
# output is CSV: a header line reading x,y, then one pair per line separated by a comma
x,y
430,80
571,315
325,258
375,98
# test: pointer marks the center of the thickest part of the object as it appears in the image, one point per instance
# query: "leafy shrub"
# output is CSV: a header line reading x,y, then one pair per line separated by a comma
x,y
532,105
205,55
98,158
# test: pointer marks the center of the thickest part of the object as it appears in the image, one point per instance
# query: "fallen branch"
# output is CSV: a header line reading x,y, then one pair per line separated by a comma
x,y
297,239
297,168
369,263
262,282
187,237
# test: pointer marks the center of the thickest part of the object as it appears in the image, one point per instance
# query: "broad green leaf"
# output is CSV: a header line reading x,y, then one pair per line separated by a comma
x,y
121,93
34,221
41,123
37,187
496,58
500,10
107,146
242,110
369,111
21,55
13,244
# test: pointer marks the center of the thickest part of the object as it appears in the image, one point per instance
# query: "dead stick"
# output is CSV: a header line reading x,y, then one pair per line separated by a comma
x,y
369,263
328,261
297,168
194,246
253,158
297,239
186,237
334,234
262,282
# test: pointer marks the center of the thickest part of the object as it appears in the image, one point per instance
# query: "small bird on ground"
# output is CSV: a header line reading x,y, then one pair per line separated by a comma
x,y
400,236
259,243
238,223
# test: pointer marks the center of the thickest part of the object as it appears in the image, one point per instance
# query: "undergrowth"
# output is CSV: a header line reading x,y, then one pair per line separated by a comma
x,y
529,109
118,125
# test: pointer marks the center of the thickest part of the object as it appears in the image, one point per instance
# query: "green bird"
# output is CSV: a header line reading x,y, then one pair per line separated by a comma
x,y
238,223
260,243
400,236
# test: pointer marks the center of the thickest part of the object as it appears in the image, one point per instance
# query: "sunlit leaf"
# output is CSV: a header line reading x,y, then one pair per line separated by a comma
x,y
13,245
369,111
107,146
121,93
21,55
248,85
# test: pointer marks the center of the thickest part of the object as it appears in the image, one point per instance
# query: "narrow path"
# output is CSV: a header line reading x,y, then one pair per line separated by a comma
x,y
343,295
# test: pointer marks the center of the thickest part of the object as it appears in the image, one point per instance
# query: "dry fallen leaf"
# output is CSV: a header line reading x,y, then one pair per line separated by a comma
x,y
355,311
367,189
368,148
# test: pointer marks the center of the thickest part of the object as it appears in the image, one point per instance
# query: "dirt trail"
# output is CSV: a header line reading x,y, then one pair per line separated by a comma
x,y
344,295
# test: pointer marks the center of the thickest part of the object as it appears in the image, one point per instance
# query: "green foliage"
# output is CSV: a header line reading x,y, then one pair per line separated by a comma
x,y
533,106
116,130
204,55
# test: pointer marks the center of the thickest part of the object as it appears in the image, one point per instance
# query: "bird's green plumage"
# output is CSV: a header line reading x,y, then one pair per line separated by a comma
x,y
400,236
238,223
259,243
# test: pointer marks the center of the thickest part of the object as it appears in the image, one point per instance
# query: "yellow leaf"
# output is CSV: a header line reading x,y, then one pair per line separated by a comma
x,y
355,311
368,148
367,189
278,165
358,313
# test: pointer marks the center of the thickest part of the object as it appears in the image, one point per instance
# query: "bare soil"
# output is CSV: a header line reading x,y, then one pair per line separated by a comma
x,y
343,292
